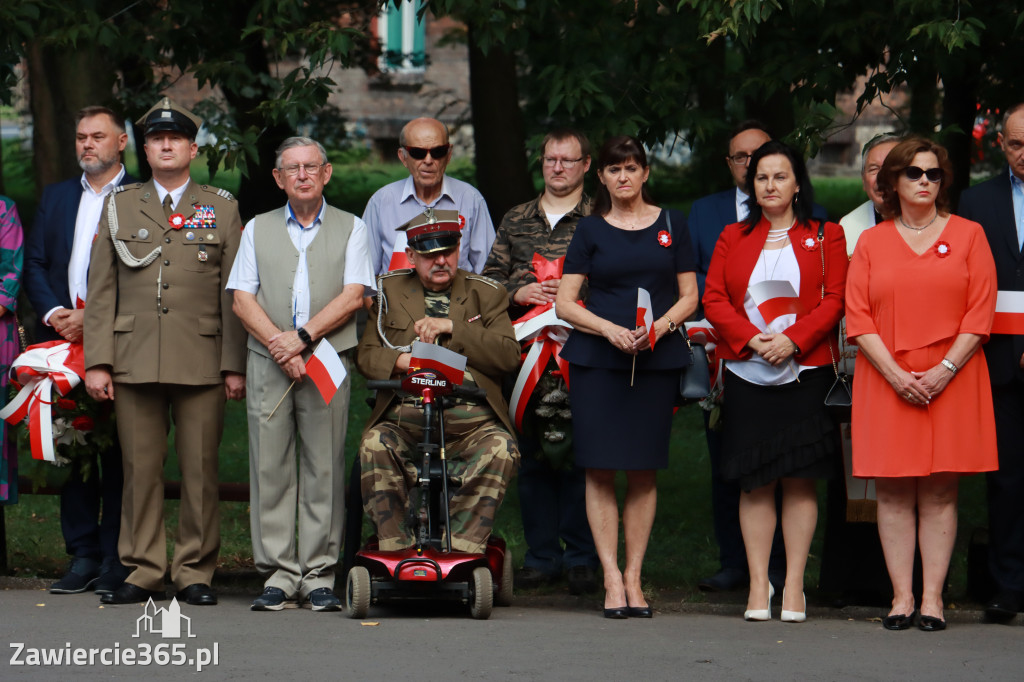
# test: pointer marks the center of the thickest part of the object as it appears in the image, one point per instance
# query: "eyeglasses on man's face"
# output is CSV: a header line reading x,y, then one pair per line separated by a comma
x,y
310,168
567,164
437,153
739,159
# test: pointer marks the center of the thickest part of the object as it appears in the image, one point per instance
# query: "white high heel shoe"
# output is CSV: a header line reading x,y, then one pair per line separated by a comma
x,y
761,614
794,616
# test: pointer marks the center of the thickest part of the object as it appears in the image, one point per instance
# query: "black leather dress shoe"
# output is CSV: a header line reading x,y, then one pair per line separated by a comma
x,y
725,580
931,624
639,612
132,594
1004,606
900,621
617,613
198,594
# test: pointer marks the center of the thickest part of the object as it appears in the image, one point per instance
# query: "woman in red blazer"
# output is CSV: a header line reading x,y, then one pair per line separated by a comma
x,y
774,294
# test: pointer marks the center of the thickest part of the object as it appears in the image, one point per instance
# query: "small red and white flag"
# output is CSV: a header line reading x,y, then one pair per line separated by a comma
x,y
399,259
447,362
326,370
775,298
1009,317
644,313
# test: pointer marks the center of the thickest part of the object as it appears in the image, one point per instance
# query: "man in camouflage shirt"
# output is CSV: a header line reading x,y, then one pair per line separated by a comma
x,y
435,302
551,486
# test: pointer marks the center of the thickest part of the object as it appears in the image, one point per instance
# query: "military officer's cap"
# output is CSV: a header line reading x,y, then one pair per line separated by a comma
x,y
168,116
433,231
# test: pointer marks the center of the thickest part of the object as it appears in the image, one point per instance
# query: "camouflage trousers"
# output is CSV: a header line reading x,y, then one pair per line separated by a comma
x,y
482,457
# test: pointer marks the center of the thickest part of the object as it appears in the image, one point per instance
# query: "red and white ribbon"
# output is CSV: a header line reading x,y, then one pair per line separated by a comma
x,y
42,368
545,334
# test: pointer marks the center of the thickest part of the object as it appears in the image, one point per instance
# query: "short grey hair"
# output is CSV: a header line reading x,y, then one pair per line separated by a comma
x,y
293,142
1010,111
881,138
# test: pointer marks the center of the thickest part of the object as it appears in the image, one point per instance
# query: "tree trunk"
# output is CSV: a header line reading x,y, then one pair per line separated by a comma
x,y
61,83
959,108
502,173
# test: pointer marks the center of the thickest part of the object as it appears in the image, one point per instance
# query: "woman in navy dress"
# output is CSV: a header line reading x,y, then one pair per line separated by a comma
x,y
621,390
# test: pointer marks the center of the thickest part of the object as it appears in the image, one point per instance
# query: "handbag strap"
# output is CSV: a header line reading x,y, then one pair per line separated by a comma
x,y
821,249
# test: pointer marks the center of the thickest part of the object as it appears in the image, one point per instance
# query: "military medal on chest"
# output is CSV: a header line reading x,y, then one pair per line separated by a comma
x,y
202,255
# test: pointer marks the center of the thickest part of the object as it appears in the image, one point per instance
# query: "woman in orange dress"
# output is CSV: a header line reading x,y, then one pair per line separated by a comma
x,y
920,299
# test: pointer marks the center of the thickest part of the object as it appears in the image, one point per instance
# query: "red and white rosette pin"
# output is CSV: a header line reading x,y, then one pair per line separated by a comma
x,y
462,222
177,221
809,243
664,238
942,249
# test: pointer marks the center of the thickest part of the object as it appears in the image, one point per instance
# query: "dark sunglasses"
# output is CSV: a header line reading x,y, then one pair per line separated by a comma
x,y
913,173
420,153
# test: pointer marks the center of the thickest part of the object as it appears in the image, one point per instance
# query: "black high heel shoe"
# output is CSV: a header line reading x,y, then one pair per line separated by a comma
x,y
931,624
900,621
617,613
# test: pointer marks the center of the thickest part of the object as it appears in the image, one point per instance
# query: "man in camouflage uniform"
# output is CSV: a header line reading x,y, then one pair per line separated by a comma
x,y
551,486
435,302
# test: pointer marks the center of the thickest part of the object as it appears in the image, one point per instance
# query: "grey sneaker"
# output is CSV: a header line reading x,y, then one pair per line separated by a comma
x,y
81,576
323,599
273,599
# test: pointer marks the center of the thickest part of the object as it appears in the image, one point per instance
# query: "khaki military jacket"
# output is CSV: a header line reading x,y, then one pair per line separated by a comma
x,y
481,331
169,321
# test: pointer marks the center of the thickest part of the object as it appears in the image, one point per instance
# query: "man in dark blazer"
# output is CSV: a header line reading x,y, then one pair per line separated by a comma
x,y
57,253
998,205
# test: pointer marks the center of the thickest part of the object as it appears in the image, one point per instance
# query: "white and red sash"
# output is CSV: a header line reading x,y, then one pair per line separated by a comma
x,y
1009,317
41,368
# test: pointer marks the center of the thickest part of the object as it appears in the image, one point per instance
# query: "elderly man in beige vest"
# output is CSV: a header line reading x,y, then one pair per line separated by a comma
x,y
298,278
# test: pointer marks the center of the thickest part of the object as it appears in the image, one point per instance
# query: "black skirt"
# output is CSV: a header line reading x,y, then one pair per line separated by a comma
x,y
618,426
772,432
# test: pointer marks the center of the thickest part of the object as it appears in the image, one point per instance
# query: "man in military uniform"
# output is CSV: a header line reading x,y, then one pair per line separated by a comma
x,y
552,492
160,341
435,302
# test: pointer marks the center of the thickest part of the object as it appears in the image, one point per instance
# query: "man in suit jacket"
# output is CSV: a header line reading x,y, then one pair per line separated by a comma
x,y
299,278
57,254
160,339
998,205
435,301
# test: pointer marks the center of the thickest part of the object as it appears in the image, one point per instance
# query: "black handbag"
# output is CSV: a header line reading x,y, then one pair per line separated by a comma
x,y
695,378
840,397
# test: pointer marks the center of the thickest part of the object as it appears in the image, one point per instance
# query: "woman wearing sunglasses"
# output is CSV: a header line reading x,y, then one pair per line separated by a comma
x,y
920,299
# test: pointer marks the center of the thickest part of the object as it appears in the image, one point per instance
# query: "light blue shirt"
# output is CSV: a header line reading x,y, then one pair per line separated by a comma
x,y
395,204
245,275
1017,190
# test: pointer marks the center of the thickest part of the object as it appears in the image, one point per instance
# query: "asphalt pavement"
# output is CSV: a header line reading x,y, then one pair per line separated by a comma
x,y
540,637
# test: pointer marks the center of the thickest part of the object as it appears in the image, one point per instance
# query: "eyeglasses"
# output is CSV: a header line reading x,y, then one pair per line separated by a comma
x,y
310,168
567,164
739,159
437,153
913,173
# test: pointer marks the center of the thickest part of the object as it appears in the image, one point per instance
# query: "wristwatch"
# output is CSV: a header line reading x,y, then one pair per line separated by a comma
x,y
304,336
672,326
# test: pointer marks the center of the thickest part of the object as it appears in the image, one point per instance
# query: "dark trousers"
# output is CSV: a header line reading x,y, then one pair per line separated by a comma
x,y
1006,490
725,514
90,509
554,510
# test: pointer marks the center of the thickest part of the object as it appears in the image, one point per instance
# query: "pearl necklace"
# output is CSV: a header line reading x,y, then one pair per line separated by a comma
x,y
923,227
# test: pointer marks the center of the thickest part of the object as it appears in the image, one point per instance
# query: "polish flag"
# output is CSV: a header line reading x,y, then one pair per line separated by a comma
x,y
398,258
326,370
644,314
1009,317
447,362
775,298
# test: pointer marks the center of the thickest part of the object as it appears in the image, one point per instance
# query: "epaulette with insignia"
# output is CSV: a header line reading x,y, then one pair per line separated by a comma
x,y
134,185
392,273
223,193
485,280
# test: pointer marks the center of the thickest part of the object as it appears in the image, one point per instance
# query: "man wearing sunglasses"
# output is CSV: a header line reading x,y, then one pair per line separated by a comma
x,y
425,150
998,204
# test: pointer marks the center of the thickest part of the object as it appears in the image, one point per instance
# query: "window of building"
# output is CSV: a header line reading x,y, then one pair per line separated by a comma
x,y
402,37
